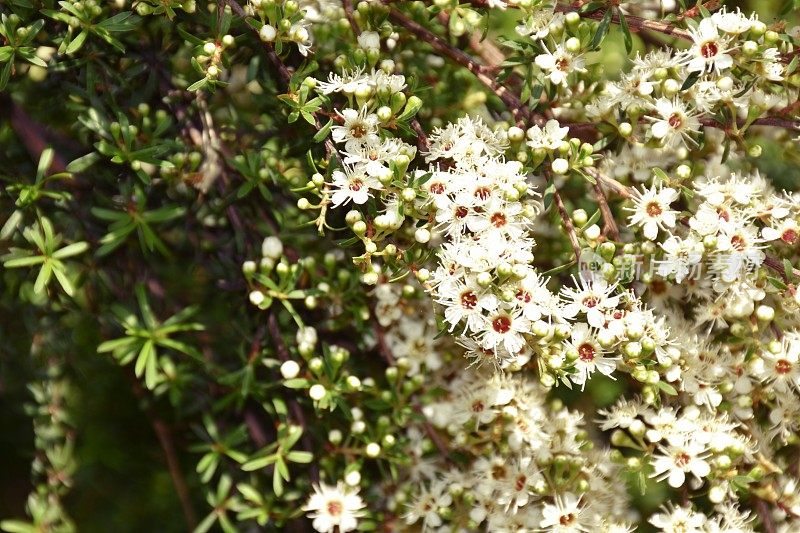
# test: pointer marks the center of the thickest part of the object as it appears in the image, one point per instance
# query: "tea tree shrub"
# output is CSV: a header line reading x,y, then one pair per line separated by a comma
x,y
502,265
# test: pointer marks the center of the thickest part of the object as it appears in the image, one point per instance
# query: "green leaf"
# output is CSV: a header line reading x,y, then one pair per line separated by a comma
x,y
115,344
788,269
43,278
199,84
661,175
626,31
24,261
77,42
63,280
146,352
549,194
259,463
277,483
602,29
296,383
17,526
124,21
84,162
323,132
666,387
5,74
691,80
11,225
71,250
300,457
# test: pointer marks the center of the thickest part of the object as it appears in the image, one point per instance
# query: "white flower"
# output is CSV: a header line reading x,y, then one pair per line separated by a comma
x,y
652,210
352,184
734,22
549,137
467,302
677,460
559,63
369,40
426,505
709,51
537,25
334,507
563,516
682,255
679,520
359,127
591,357
592,297
505,329
675,122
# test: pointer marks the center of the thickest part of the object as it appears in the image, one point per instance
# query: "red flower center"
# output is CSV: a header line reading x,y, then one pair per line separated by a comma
x,y
738,243
782,366
335,508
469,300
482,193
682,459
436,188
789,236
653,209
675,120
498,220
590,301
586,352
501,324
709,49
358,130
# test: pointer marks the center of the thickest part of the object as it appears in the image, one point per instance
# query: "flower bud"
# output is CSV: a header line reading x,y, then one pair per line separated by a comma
x,y
515,134
373,449
352,478
257,298
290,369
579,217
592,232
573,44
560,166
267,33
765,313
317,392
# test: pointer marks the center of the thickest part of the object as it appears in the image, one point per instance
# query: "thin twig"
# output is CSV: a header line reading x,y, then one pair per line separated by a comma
x,y
569,227
164,436
348,12
635,24
511,101
609,224
763,511
622,190
422,140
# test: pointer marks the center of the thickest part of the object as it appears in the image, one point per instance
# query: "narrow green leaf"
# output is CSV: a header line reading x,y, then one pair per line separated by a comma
x,y
63,280
626,31
77,42
43,278
602,29
71,250
24,261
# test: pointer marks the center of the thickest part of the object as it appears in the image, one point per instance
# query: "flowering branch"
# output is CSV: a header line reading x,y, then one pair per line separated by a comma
x,y
511,101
